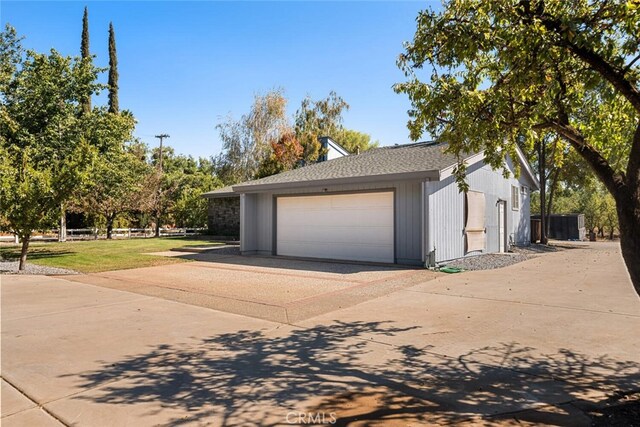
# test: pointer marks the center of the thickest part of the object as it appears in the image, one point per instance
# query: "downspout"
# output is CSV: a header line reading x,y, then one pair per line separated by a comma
x,y
243,216
423,218
428,256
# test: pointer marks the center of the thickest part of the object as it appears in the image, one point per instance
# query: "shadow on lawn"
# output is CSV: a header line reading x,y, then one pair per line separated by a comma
x,y
14,254
249,378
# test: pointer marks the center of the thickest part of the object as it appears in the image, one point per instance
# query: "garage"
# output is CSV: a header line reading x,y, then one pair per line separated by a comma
x,y
355,226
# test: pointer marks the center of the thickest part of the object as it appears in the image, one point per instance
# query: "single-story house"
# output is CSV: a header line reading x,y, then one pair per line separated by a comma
x,y
397,204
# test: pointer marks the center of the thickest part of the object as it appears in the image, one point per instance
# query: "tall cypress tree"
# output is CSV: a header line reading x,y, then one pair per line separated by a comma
x,y
113,72
86,55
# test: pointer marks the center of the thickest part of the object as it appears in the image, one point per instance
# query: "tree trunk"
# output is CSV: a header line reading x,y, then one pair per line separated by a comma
x,y
552,190
23,252
157,231
62,232
543,183
628,208
625,189
110,219
629,223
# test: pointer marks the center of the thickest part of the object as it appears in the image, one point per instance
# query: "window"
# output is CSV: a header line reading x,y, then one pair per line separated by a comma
x,y
523,191
515,198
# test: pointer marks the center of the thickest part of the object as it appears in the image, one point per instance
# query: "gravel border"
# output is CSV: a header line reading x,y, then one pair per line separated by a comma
x,y
487,261
11,267
500,260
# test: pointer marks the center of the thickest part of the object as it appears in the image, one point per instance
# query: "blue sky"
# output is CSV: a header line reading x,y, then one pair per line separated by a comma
x,y
184,66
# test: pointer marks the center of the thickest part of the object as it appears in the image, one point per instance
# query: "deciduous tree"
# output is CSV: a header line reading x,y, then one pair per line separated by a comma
x,y
502,71
115,186
318,118
354,141
286,153
246,142
44,148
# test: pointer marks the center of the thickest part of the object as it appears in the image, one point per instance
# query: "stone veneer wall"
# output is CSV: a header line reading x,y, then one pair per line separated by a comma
x,y
223,216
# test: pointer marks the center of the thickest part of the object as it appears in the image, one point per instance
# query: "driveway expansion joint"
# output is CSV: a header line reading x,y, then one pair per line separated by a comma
x,y
84,307
31,399
589,310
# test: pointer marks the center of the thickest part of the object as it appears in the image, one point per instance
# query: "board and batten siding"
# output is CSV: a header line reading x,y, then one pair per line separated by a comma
x,y
258,217
445,211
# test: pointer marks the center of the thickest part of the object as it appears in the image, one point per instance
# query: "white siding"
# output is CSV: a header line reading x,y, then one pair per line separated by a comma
x,y
332,153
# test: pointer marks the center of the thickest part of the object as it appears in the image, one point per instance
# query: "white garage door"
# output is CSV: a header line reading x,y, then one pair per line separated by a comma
x,y
355,227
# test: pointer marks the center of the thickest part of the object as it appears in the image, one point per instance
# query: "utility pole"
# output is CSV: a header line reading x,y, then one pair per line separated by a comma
x,y
161,137
158,201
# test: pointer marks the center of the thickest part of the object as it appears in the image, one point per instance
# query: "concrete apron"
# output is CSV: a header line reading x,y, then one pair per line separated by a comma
x,y
273,289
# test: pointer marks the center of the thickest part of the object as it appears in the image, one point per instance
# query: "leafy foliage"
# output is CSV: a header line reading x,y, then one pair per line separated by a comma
x,y
48,143
318,118
354,141
116,185
501,72
246,142
286,154
176,192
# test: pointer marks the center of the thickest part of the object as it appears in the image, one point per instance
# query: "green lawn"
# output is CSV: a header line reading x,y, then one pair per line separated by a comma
x,y
103,255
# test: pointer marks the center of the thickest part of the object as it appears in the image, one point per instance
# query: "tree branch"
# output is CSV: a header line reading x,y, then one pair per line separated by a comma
x,y
593,59
630,64
611,179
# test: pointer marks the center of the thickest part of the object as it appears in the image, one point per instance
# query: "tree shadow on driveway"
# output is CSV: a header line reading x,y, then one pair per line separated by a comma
x,y
345,370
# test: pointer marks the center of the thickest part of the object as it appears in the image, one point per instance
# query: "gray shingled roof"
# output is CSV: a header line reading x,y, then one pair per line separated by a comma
x,y
221,192
420,160
425,159
412,159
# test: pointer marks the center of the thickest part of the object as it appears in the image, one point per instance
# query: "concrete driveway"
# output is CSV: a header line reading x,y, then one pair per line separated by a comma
x,y
544,341
277,289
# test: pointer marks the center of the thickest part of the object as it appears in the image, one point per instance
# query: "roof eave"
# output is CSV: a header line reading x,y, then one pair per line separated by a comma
x,y
258,188
219,195
527,167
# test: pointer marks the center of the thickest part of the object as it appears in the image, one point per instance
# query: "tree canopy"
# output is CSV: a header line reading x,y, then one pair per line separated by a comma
x,y
318,118
488,75
246,142
355,141
45,142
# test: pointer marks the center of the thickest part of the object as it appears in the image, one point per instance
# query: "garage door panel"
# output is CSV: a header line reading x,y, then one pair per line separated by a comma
x,y
371,200
332,251
346,226
319,219
341,235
